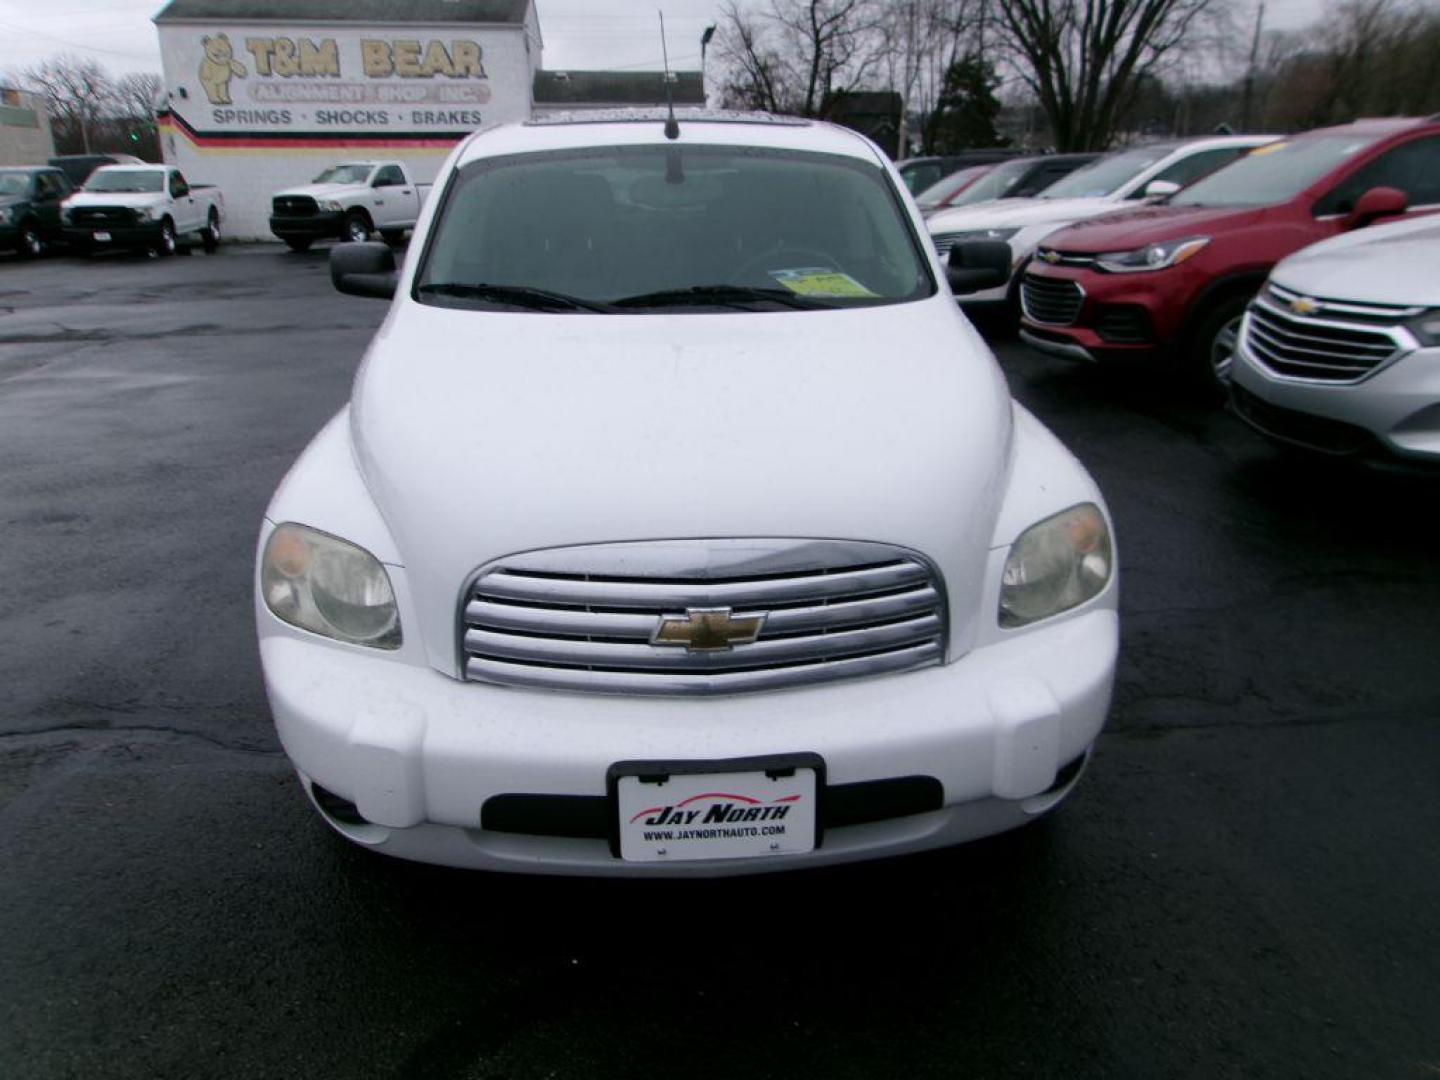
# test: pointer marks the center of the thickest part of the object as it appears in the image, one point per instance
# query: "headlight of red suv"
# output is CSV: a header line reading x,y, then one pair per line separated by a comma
x,y
1152,256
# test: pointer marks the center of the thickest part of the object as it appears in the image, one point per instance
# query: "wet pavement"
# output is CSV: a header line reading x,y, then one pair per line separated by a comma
x,y
1246,883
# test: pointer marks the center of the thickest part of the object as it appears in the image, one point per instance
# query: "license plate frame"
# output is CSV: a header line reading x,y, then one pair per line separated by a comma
x,y
783,766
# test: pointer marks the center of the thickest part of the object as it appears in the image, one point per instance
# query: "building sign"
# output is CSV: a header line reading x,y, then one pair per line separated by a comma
x,y
411,83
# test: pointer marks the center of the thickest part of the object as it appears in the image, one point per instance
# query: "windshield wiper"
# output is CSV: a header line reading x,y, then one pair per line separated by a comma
x,y
518,295
722,295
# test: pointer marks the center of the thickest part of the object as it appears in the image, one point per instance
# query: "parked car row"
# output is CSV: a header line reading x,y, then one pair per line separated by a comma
x,y
140,206
1334,351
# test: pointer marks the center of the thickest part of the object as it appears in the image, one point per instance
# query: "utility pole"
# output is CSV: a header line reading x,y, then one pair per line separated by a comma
x,y
1250,72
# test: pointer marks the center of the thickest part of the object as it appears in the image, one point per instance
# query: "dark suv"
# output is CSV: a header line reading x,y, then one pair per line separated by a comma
x,y
30,201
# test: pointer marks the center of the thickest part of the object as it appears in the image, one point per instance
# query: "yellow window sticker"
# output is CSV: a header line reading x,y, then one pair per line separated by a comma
x,y
820,281
1268,148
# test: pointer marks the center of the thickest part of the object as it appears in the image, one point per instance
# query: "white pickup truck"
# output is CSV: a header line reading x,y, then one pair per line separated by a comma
x,y
142,206
349,202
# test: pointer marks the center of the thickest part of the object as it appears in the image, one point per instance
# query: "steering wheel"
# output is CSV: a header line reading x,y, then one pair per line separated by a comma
x,y
782,258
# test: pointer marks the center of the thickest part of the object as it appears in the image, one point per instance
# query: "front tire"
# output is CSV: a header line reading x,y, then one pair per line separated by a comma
x,y
298,243
357,228
210,235
1211,352
31,246
165,245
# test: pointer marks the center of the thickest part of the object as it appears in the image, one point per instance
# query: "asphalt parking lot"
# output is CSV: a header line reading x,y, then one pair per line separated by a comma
x,y
1247,883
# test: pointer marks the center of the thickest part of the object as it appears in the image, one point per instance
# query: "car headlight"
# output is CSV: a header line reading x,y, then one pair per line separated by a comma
x,y
331,206
1426,328
325,585
980,234
1152,256
1056,565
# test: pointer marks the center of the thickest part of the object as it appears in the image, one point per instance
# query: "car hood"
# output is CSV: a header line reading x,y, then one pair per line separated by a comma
x,y
1017,214
12,200
1382,264
114,198
1127,229
483,434
324,191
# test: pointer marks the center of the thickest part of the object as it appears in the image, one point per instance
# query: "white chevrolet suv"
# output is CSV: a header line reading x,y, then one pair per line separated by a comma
x,y
1340,351
680,524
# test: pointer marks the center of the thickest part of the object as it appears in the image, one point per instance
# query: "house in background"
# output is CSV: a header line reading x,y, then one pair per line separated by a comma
x,y
24,128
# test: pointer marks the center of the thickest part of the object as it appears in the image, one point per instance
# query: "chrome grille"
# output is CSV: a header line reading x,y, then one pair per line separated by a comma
x,y
1051,300
102,215
584,618
1316,348
295,206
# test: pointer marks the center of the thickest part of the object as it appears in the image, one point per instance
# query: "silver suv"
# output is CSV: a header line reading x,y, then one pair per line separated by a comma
x,y
1340,351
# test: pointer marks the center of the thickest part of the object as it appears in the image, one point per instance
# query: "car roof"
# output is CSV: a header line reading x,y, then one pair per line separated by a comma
x,y
640,127
1375,126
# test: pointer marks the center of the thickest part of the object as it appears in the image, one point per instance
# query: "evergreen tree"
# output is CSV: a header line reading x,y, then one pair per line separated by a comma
x,y
967,109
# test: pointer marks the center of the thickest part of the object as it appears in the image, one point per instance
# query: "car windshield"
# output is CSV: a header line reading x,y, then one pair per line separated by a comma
x,y
131,181
994,185
943,190
1274,173
1107,175
637,228
14,183
344,174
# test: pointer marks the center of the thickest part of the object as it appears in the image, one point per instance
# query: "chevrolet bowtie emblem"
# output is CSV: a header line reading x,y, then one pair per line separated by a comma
x,y
1303,305
1051,257
707,629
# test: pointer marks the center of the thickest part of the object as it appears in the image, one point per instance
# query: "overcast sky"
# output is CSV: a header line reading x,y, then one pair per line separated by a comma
x,y
578,33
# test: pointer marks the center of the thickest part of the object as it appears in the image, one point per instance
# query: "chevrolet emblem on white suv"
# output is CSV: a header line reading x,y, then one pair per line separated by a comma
x,y
707,629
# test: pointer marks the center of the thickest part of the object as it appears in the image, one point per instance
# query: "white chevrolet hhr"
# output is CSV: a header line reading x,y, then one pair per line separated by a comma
x,y
679,524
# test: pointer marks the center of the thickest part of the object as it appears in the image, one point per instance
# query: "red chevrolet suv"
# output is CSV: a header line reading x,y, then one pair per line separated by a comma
x,y
1176,278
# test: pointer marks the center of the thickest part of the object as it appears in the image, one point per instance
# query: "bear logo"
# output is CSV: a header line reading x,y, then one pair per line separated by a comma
x,y
218,67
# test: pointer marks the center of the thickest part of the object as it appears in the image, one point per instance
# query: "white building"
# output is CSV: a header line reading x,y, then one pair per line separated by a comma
x,y
262,94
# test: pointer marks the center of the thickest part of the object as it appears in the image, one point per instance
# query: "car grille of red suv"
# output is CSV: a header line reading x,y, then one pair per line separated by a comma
x,y
1052,301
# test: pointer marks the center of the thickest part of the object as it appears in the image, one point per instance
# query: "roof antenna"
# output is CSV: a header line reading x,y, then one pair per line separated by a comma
x,y
672,126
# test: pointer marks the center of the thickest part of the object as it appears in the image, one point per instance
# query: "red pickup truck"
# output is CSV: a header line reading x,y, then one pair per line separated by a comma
x,y
1176,278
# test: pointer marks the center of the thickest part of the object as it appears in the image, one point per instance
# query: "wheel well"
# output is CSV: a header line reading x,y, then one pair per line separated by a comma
x,y
363,214
1217,293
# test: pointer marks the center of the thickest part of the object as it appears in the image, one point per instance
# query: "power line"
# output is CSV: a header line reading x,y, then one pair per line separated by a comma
x,y
77,45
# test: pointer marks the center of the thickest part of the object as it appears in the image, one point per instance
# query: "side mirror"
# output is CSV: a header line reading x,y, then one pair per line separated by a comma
x,y
1378,202
976,265
1161,189
366,269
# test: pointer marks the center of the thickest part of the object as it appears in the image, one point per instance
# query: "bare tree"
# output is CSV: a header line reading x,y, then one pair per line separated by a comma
x,y
76,91
794,56
135,95
1084,58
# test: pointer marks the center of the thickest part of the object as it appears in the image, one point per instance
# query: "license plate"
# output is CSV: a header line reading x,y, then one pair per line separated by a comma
x,y
102,237
673,813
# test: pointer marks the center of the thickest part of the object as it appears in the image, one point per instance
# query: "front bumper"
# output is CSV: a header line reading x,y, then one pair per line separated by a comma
x,y
1393,413
999,732
327,224
1121,316
137,234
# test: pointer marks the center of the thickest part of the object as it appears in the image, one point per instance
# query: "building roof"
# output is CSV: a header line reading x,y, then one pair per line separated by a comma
x,y
616,88
379,12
